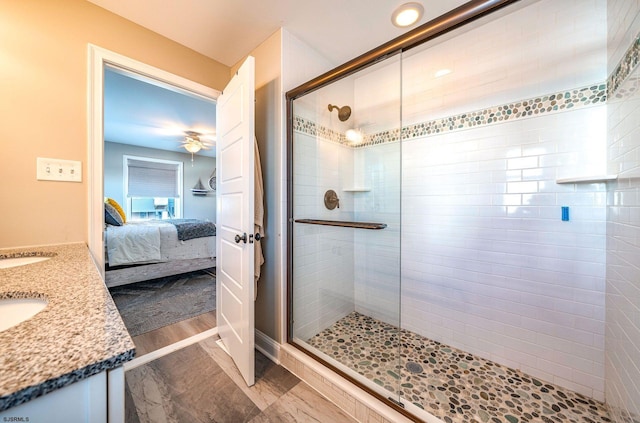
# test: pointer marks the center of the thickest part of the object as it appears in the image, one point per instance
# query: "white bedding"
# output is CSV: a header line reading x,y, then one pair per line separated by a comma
x,y
153,242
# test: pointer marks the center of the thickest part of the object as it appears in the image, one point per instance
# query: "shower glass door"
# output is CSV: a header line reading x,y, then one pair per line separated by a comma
x,y
345,241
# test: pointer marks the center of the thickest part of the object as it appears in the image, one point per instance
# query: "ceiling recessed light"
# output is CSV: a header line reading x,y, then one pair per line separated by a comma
x,y
407,14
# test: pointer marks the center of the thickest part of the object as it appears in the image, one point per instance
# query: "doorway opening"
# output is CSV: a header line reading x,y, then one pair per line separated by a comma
x,y
101,61
141,92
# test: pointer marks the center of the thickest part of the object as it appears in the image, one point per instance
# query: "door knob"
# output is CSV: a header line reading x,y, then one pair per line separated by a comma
x,y
239,238
258,236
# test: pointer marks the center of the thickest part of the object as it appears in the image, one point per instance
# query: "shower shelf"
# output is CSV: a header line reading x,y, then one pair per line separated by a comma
x,y
344,224
356,189
587,179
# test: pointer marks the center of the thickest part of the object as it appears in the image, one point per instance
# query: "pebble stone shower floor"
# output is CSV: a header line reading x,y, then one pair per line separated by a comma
x,y
450,383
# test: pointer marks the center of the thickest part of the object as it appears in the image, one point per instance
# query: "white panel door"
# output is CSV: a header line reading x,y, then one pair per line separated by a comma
x,y
235,215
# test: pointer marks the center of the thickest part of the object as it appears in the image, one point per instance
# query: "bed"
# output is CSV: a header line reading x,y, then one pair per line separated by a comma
x,y
138,251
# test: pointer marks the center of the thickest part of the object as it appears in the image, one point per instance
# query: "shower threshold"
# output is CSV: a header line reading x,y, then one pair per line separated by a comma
x,y
447,382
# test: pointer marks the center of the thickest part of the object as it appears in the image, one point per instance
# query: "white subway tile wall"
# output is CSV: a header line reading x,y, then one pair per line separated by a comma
x,y
487,261
623,222
377,252
323,256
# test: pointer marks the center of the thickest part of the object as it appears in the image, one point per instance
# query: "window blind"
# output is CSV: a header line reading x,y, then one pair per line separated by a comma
x,y
152,179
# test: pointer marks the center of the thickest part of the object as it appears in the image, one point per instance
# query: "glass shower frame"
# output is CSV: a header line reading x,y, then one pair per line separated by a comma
x,y
346,228
454,19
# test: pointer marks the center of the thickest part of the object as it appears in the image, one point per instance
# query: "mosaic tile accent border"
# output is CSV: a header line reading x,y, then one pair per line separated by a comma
x,y
626,66
309,127
549,103
629,88
449,383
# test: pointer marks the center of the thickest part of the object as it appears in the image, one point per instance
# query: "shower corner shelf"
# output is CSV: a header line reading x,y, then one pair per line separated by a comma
x,y
343,224
356,189
587,179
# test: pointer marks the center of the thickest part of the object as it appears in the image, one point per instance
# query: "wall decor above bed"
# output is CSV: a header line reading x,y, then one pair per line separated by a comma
x,y
199,189
212,181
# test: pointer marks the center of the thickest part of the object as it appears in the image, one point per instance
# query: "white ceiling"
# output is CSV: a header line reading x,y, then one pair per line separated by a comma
x,y
227,30
138,112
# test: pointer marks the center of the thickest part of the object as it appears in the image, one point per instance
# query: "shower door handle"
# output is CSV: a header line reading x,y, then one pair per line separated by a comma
x,y
239,238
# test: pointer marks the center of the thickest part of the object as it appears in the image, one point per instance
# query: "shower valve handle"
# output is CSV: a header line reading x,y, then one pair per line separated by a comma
x,y
239,238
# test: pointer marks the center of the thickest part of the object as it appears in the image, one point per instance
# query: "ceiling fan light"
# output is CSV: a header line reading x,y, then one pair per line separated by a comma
x,y
192,147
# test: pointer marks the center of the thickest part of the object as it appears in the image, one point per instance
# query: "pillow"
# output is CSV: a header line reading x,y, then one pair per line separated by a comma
x,y
111,215
115,205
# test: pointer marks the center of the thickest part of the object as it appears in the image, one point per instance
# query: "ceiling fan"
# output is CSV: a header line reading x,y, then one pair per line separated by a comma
x,y
195,141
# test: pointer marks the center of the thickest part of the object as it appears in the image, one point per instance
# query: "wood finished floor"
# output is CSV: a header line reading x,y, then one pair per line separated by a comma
x,y
200,383
161,337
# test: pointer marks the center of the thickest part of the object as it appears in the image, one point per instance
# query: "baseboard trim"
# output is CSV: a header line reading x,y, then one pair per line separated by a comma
x,y
154,355
267,346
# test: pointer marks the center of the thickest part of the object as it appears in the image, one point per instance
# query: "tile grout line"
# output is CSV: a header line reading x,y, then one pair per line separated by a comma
x,y
154,355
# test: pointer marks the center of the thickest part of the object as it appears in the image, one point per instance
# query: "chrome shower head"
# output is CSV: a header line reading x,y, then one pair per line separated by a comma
x,y
343,112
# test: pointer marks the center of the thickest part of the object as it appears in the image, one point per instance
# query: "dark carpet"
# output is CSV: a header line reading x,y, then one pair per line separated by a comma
x,y
148,305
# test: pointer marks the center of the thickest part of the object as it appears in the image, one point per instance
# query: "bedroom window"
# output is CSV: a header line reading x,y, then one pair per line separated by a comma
x,y
153,188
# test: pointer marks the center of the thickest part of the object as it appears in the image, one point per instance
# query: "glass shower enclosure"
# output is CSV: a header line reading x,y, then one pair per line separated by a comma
x,y
425,261
346,190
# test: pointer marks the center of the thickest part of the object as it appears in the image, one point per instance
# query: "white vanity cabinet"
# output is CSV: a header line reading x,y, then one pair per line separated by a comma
x,y
46,352
96,399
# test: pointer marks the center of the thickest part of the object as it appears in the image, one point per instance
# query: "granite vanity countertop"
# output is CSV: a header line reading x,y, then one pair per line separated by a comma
x,y
78,334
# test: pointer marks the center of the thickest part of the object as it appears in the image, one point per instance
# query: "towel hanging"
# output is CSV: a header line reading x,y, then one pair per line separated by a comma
x,y
258,222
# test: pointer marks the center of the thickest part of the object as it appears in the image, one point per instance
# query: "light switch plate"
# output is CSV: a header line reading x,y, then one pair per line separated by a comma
x,y
58,170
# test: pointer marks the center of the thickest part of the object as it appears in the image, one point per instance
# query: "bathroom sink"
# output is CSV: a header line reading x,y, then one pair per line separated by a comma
x,y
5,263
14,311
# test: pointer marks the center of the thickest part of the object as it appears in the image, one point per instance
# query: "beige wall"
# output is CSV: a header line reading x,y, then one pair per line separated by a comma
x,y
270,141
43,106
